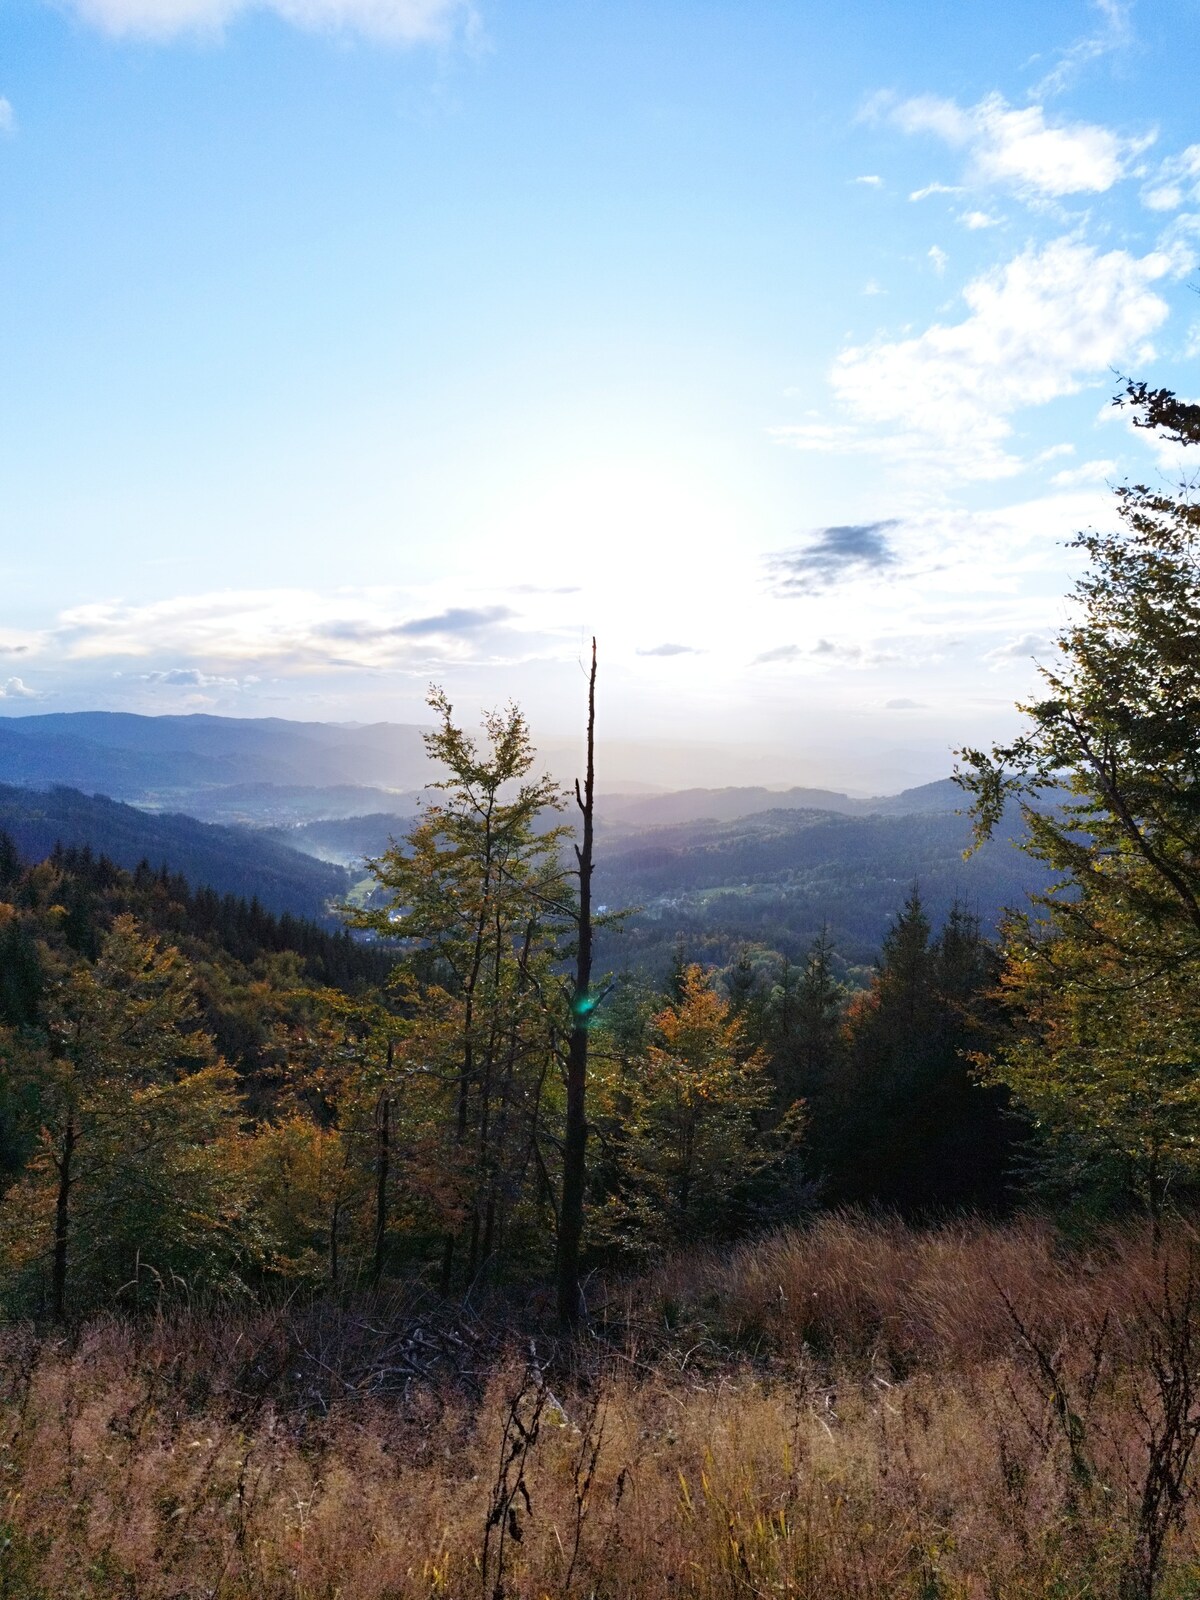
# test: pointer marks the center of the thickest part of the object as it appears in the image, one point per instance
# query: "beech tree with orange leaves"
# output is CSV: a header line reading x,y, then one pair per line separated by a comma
x,y
689,1109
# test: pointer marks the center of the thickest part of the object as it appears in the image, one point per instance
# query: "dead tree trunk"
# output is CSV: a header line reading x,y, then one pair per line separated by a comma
x,y
570,1227
383,1119
62,1221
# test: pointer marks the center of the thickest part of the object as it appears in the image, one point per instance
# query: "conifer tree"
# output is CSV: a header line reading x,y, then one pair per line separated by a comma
x,y
1103,977
903,1121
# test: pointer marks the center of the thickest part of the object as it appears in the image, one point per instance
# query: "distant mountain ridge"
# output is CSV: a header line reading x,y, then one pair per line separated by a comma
x,y
235,861
621,817
781,876
275,771
727,805
208,763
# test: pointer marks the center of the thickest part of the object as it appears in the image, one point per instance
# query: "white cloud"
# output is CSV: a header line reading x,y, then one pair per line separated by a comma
x,y
1017,146
212,640
189,678
1175,182
1024,648
8,119
871,179
15,689
401,21
1038,328
1087,472
939,258
978,219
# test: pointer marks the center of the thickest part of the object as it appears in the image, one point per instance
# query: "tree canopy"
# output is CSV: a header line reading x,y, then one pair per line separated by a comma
x,y
1102,980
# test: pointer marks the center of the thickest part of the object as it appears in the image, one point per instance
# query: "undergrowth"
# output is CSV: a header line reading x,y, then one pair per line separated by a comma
x,y
852,1410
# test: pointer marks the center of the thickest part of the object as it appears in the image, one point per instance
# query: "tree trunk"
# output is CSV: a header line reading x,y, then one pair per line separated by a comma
x,y
62,1221
382,1162
570,1229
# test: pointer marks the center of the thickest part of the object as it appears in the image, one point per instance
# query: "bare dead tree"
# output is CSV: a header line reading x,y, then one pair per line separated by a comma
x,y
570,1226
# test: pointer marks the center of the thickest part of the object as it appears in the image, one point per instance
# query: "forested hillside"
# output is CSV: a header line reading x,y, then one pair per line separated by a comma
x,y
349,1126
229,860
773,876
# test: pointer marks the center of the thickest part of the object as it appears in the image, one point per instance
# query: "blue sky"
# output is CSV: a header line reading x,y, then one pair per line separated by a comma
x,y
354,344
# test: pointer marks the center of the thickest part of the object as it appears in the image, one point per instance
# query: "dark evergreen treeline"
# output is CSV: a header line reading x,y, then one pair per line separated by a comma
x,y
93,891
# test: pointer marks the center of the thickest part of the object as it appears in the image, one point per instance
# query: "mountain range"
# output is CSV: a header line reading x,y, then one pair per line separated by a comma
x,y
254,765
287,811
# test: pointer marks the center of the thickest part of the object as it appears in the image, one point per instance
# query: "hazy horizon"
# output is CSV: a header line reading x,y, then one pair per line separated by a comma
x,y
632,765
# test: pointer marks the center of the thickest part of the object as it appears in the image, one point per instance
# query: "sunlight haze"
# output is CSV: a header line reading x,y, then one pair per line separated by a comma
x,y
353,345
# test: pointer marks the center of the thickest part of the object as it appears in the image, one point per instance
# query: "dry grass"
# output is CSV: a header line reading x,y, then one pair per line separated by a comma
x,y
883,1430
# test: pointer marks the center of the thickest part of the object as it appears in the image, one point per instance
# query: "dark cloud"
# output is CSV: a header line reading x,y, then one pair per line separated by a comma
x,y
457,619
832,555
670,650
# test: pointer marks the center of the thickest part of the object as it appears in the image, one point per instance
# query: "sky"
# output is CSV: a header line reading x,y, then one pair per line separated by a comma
x,y
348,346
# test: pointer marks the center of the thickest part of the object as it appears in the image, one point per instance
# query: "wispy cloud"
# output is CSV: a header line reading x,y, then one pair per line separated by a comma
x,y
826,649
228,633
1115,32
824,653
903,703
1174,182
831,556
400,21
1017,147
8,117
670,650
781,652
871,179
935,188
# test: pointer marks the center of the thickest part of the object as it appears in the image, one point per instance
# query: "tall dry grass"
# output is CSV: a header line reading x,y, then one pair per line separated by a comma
x,y
855,1410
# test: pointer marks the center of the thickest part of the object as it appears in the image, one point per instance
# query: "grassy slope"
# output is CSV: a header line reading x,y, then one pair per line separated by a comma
x,y
848,1411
